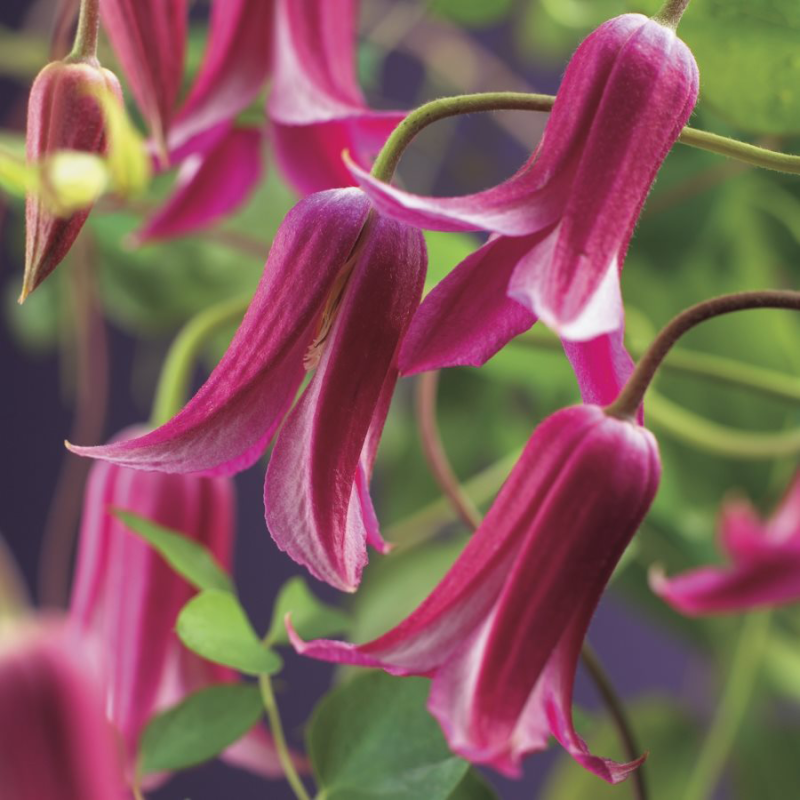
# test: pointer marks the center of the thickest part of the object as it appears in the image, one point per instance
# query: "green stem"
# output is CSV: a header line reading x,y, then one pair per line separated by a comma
x,y
671,13
274,717
85,47
727,371
176,374
719,440
616,709
444,107
631,396
732,707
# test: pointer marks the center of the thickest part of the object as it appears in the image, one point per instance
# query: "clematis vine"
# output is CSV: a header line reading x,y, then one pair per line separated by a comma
x,y
765,568
502,632
126,599
54,740
561,226
340,286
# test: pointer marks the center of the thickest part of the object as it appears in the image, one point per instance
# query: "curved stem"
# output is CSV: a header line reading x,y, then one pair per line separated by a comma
x,y
732,707
617,711
631,396
173,385
444,107
85,48
427,389
276,726
444,474
719,440
671,13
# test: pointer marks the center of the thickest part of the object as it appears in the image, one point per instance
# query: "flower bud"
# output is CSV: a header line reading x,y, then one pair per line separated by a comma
x,y
54,740
63,114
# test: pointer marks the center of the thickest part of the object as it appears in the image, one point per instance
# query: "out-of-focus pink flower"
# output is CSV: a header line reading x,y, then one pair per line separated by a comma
x,y
149,38
316,105
54,738
210,184
501,633
126,598
765,563
339,289
63,114
235,67
565,219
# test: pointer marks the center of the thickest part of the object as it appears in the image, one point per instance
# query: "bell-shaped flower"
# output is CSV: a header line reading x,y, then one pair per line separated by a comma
x,y
54,738
564,221
63,114
765,563
340,286
149,38
210,184
126,598
501,633
315,104
235,67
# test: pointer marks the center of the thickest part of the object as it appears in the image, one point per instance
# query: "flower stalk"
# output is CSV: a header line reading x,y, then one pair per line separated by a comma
x,y
276,726
630,398
442,108
85,48
671,13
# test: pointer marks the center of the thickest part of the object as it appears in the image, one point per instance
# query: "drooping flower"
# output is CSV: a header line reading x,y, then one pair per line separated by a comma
x,y
315,104
565,219
235,67
63,114
765,568
210,184
126,598
149,38
54,739
501,633
340,286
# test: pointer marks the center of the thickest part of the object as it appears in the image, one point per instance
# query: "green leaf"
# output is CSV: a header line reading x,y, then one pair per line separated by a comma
x,y
374,738
214,625
473,787
472,13
187,557
310,618
199,728
445,251
749,60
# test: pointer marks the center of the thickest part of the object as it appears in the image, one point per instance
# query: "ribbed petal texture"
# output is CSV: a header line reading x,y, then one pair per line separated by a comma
x,y
501,633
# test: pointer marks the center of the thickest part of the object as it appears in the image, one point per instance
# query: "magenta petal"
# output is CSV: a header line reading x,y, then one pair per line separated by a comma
x,y
512,208
311,155
234,69
228,423
149,38
601,365
209,186
468,317
313,506
716,590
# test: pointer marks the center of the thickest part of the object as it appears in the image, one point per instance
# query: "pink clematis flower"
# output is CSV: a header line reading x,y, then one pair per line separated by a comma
x,y
149,38
126,599
235,67
338,292
765,569
316,105
54,738
210,184
501,633
564,221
